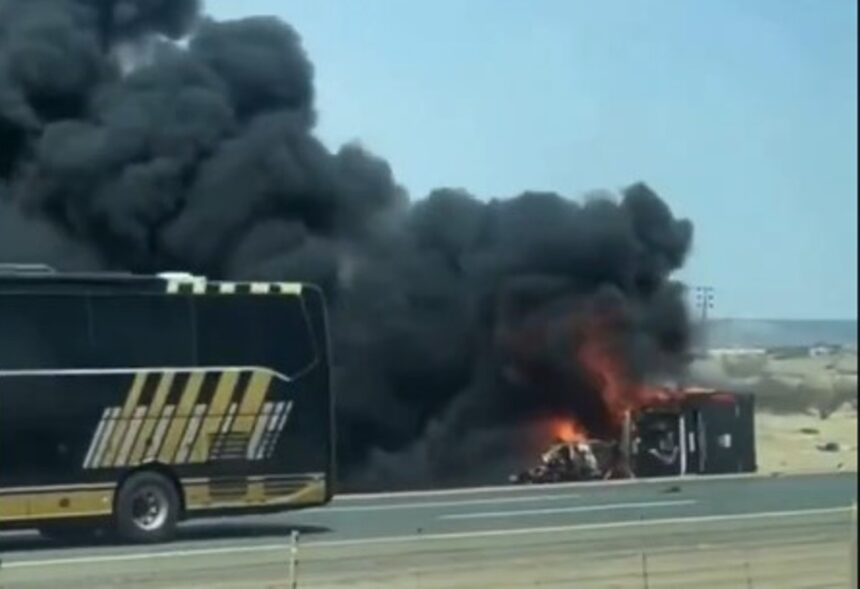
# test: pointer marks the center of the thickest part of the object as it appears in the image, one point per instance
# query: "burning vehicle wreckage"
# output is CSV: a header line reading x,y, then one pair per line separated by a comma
x,y
682,432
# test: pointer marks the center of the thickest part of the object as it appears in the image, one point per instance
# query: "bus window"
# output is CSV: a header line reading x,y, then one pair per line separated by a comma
x,y
255,330
43,332
136,331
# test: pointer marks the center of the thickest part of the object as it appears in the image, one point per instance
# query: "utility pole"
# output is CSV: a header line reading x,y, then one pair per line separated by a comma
x,y
704,300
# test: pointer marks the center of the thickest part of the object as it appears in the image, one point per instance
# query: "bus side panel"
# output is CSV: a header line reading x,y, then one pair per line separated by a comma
x,y
275,452
274,444
238,438
47,427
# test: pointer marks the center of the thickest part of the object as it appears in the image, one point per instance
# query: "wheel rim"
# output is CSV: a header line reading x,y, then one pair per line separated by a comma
x,y
149,508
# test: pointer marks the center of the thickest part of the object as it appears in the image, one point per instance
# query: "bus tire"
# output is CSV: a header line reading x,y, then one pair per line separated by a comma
x,y
147,508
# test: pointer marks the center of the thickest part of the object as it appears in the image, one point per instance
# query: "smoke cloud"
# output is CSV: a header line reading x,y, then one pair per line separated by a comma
x,y
456,320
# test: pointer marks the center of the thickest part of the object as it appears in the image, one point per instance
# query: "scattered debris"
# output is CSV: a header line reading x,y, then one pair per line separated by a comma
x,y
811,431
829,447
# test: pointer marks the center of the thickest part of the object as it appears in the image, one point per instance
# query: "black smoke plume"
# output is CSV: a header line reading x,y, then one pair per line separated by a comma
x,y
455,320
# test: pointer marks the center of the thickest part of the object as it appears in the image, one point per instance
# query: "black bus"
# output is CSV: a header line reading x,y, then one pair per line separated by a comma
x,y
137,401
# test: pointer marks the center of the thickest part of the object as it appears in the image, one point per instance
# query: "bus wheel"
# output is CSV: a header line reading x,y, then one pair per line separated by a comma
x,y
147,508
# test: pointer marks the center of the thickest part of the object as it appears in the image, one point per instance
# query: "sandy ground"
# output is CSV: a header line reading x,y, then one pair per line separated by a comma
x,y
798,385
792,443
803,403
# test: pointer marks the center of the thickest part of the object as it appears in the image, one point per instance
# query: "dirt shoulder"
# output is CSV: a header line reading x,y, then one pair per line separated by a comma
x,y
805,442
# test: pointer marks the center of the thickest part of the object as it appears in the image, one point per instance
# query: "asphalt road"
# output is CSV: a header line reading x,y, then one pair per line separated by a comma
x,y
385,539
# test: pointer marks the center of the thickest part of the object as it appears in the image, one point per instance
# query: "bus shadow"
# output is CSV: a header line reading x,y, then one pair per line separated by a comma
x,y
232,530
185,534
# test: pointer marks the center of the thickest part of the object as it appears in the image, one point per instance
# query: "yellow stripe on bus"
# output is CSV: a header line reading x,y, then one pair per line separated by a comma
x,y
143,439
253,399
206,494
180,419
56,504
122,423
212,421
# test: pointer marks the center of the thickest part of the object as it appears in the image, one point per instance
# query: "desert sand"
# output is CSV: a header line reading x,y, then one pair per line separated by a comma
x,y
805,442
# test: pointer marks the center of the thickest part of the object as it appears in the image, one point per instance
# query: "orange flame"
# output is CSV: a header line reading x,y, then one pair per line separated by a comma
x,y
569,431
619,392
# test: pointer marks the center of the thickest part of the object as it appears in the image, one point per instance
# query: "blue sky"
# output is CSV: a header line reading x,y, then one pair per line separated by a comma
x,y
742,114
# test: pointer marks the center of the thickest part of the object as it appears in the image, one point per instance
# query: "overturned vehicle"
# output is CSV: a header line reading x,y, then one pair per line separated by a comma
x,y
698,432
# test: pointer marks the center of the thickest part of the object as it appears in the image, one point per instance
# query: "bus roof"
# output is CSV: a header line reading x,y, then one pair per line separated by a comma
x,y
24,277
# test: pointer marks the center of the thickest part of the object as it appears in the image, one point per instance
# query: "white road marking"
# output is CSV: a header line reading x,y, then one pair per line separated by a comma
x,y
578,509
284,546
432,504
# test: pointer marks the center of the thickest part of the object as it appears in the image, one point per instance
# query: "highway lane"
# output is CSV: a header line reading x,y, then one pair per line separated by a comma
x,y
477,517
396,515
